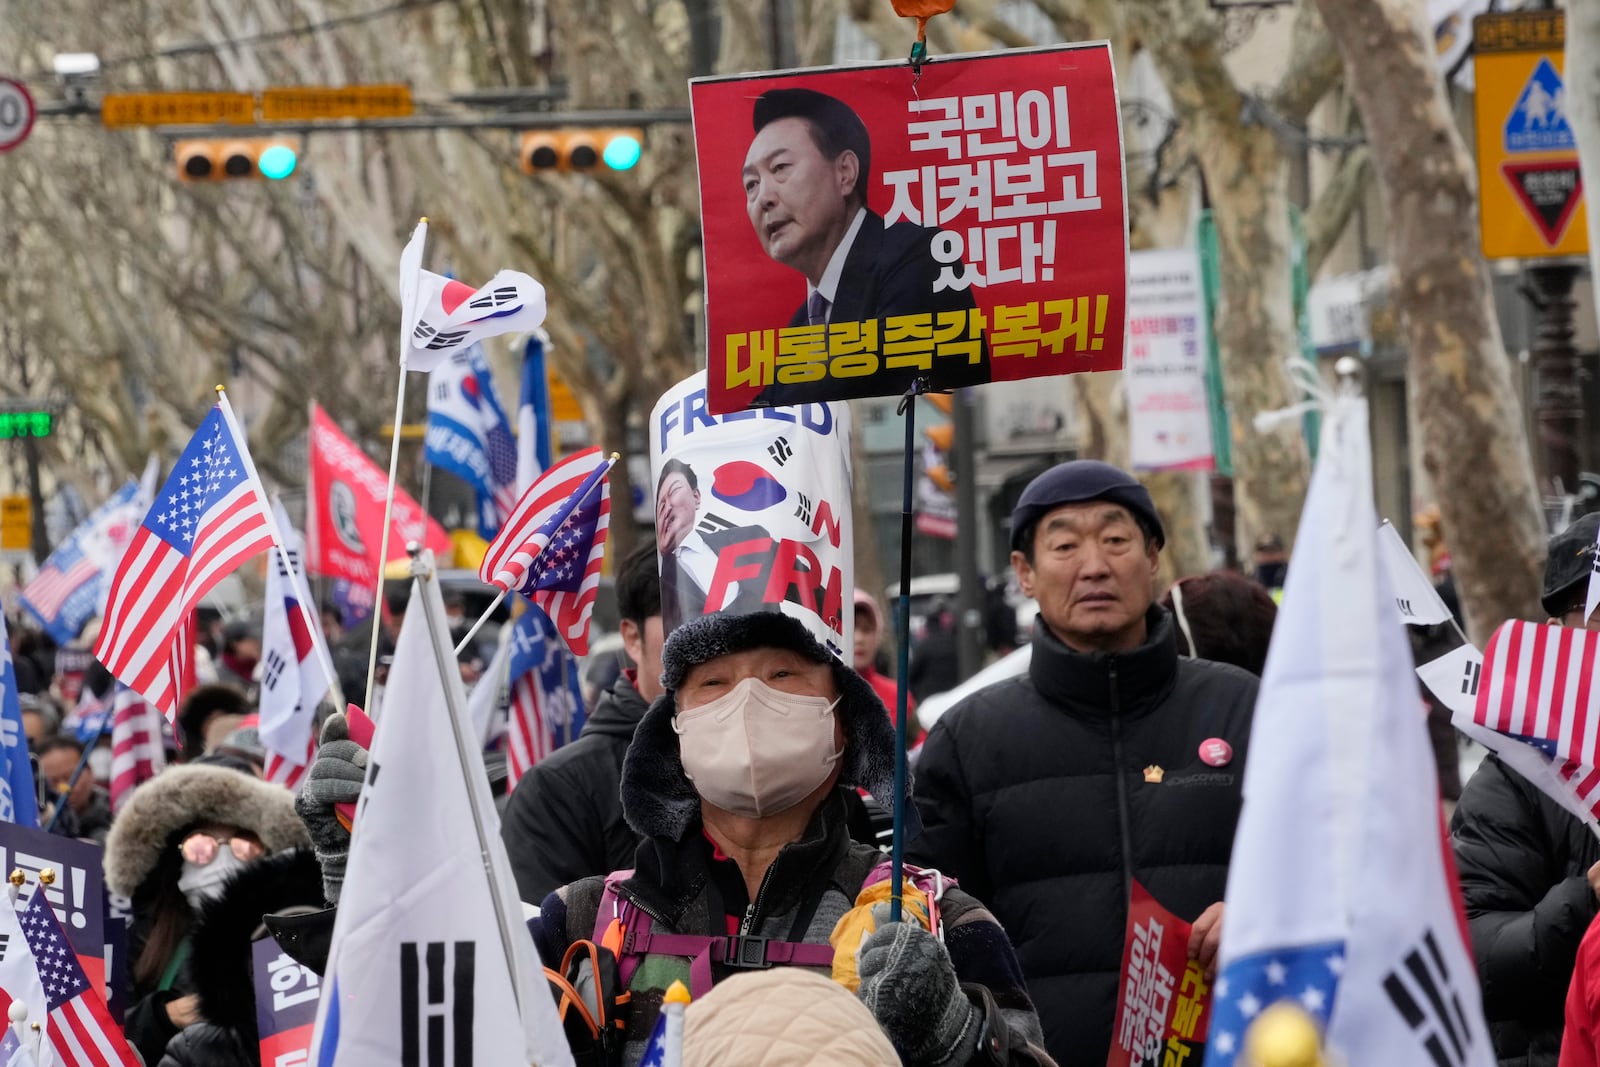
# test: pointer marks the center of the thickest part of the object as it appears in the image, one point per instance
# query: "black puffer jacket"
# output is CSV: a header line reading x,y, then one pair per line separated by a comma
x,y
220,966
1035,794
564,821
1522,860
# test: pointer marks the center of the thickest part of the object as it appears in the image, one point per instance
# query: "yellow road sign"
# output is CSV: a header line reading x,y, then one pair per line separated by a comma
x,y
309,102
564,406
16,523
1530,190
177,109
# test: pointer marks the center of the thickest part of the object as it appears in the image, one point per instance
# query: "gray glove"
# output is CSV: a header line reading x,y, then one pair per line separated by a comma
x,y
910,986
335,777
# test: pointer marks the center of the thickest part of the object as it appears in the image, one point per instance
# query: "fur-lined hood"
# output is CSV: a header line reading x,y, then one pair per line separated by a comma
x,y
220,967
189,795
658,800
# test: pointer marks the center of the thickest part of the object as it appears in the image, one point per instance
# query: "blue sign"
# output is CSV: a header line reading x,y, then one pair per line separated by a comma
x,y
1539,121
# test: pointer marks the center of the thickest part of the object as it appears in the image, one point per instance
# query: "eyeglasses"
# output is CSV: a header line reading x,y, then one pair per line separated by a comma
x,y
200,847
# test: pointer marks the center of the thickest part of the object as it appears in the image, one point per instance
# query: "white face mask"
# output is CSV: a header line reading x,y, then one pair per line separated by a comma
x,y
199,884
756,750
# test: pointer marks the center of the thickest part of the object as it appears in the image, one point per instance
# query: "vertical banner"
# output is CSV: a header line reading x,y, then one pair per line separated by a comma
x,y
860,233
286,1004
1169,416
753,512
1164,1001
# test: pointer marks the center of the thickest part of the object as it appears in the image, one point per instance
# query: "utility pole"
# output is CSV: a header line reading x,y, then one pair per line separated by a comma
x,y
970,596
1557,393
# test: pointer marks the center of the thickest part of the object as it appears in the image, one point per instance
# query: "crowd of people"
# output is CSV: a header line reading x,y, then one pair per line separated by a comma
x,y
724,810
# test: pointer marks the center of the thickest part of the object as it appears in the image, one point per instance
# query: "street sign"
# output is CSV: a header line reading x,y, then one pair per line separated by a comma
x,y
1529,186
16,523
176,109
309,102
16,114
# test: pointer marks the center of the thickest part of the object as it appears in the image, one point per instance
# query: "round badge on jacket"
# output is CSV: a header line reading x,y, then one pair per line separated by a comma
x,y
1216,752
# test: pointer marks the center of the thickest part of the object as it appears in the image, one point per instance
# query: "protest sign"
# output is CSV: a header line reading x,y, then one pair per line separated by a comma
x,y
1164,1000
286,1004
344,500
78,894
1169,419
859,234
753,511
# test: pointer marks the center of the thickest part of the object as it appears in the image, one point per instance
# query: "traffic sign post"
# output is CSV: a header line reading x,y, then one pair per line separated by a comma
x,y
17,113
1530,189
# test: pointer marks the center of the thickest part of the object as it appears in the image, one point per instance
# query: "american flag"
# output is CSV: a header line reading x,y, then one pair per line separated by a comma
x,y
138,752
209,517
279,768
63,574
81,1030
546,697
554,543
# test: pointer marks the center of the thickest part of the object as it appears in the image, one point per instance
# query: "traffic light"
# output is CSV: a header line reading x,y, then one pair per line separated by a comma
x,y
272,158
543,151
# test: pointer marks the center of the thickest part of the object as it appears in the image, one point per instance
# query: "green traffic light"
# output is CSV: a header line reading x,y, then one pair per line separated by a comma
x,y
622,152
277,162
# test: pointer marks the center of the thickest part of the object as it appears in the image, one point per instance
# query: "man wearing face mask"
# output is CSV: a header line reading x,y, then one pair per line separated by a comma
x,y
737,781
173,849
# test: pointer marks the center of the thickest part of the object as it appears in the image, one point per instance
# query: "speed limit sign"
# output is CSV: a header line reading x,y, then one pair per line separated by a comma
x,y
16,114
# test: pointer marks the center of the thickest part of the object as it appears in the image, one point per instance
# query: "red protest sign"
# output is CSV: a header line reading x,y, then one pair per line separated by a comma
x,y
1165,1001
345,499
859,235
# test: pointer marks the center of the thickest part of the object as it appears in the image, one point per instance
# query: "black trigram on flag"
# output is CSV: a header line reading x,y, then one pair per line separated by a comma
x,y
436,985
780,451
1470,677
1421,992
1405,607
802,509
494,298
271,670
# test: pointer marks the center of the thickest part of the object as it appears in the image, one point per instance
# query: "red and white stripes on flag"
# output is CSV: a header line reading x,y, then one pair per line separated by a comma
x,y
279,768
81,1030
209,517
51,586
528,739
138,753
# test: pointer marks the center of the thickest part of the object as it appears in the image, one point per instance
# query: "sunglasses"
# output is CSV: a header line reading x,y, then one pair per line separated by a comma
x,y
200,848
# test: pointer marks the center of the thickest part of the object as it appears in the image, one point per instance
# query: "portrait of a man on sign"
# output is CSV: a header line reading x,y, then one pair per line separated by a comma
x,y
805,180
859,236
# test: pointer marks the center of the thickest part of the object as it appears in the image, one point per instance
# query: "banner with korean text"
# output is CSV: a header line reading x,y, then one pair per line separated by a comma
x,y
1169,418
1164,998
859,234
753,512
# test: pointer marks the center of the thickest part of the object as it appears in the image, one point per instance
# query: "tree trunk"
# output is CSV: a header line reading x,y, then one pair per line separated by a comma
x,y
1582,77
1473,443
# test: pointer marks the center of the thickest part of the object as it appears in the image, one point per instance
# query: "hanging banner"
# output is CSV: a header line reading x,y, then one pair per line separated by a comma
x,y
1163,1000
77,896
859,234
1169,416
344,503
753,512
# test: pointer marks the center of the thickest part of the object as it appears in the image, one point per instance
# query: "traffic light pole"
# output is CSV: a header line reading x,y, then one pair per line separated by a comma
x,y
510,120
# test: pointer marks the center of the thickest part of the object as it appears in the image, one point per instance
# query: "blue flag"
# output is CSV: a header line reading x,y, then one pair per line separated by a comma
x,y
18,801
469,436
533,414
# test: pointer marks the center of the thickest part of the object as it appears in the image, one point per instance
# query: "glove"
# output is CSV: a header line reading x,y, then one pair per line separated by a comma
x,y
910,986
335,778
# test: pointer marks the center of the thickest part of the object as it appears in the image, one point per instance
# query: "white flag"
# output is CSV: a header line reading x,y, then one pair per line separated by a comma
x,y
292,652
410,280
1415,598
1337,894
1591,599
484,702
427,934
450,315
19,976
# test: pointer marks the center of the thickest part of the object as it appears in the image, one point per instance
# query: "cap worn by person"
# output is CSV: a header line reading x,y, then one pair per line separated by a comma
x,y
1077,482
1568,565
864,601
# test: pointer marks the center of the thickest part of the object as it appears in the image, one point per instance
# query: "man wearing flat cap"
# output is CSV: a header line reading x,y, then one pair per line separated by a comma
x,y
806,177
1112,760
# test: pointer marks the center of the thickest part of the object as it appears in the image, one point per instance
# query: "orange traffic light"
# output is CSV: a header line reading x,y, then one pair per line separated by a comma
x,y
544,151
272,158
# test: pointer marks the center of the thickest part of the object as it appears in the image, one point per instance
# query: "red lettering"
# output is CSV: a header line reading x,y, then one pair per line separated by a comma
x,y
737,562
795,567
826,517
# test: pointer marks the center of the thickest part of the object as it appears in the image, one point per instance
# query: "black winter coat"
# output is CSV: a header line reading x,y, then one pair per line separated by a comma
x,y
564,820
1041,795
1522,859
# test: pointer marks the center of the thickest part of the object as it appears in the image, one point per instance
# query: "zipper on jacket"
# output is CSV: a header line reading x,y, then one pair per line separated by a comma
x,y
1123,815
633,898
754,907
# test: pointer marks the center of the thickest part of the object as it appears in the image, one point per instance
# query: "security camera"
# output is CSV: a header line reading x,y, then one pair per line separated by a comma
x,y
71,66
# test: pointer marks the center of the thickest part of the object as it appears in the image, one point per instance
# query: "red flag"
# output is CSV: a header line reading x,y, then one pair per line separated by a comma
x,y
345,501
209,517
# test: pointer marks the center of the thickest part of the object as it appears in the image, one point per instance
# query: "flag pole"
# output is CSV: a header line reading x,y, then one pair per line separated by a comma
x,y
572,506
388,498
284,561
432,607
